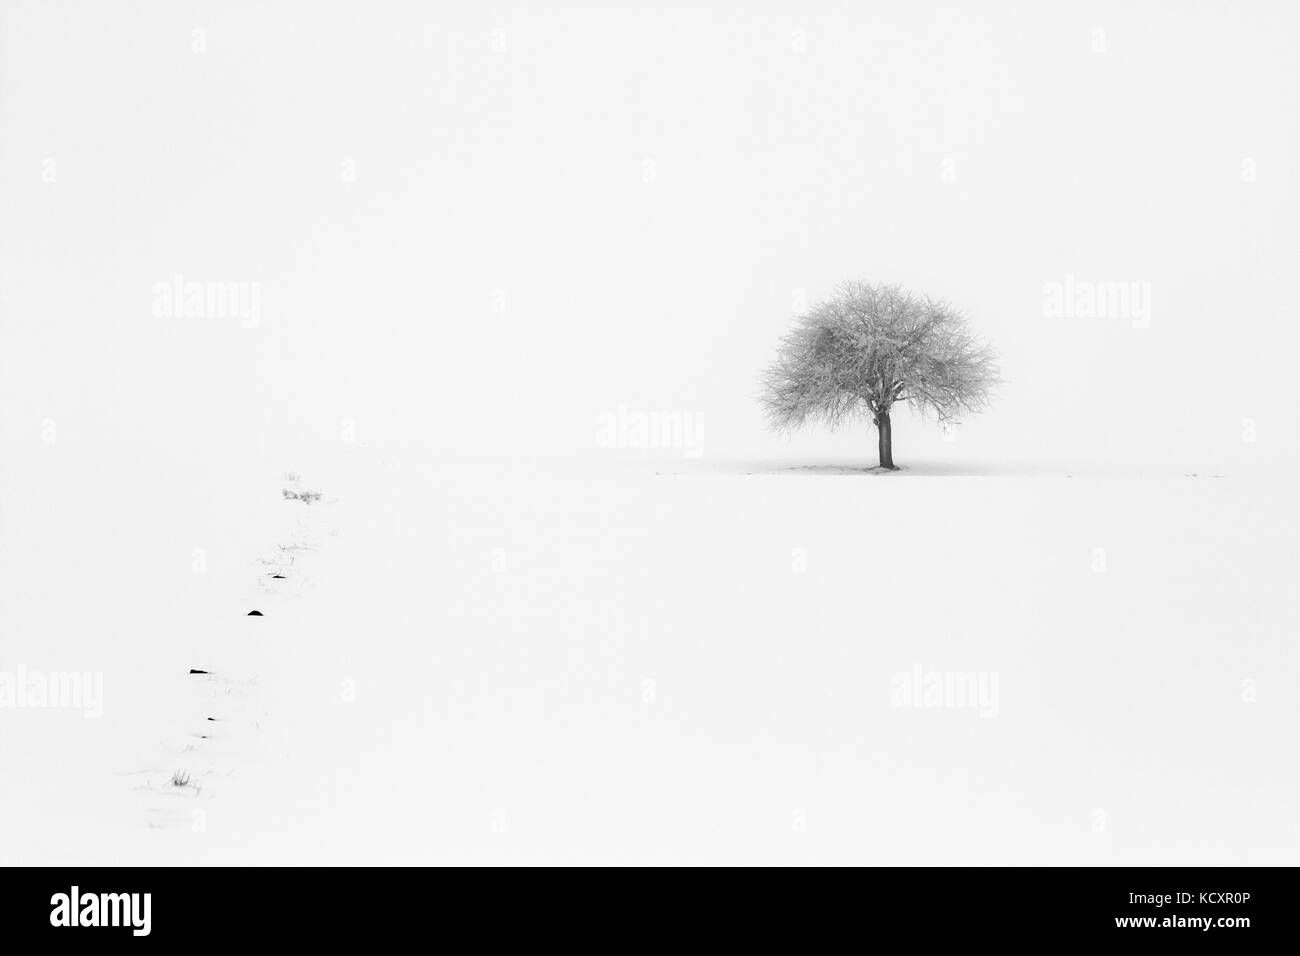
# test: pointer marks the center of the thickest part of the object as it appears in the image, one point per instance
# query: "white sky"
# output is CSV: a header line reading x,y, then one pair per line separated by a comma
x,y
502,147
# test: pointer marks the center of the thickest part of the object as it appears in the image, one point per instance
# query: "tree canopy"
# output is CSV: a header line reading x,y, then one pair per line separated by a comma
x,y
869,346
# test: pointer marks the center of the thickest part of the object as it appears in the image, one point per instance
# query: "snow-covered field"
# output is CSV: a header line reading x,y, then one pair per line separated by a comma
x,y
628,660
445,261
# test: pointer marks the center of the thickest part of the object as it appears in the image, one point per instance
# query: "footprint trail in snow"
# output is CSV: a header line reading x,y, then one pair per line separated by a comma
x,y
224,724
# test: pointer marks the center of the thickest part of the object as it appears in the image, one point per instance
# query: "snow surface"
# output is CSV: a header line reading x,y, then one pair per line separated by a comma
x,y
625,660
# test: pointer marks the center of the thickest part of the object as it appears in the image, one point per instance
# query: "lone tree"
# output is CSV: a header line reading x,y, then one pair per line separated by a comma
x,y
856,354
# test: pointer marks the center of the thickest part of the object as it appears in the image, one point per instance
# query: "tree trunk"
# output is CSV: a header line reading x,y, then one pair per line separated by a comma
x,y
886,445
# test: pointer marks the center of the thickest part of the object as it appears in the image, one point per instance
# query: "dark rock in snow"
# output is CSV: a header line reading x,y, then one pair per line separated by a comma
x,y
254,613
